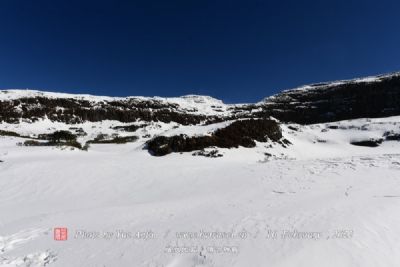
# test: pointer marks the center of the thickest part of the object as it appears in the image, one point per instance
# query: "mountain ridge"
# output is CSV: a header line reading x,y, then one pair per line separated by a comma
x,y
14,93
193,122
373,96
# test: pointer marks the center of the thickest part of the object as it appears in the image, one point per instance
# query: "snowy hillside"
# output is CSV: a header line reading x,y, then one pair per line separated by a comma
x,y
191,181
196,103
345,195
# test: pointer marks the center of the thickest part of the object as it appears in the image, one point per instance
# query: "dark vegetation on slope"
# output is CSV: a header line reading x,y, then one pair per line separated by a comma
x,y
53,138
239,133
9,133
67,138
58,138
116,139
129,128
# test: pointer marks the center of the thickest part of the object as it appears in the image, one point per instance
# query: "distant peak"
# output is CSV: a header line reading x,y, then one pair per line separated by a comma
x,y
202,99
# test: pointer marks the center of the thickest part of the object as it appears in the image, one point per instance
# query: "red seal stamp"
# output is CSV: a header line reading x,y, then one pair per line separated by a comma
x,y
60,233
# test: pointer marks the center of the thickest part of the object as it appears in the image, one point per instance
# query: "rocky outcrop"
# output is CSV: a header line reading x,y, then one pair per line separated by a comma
x,y
70,110
370,97
368,143
239,133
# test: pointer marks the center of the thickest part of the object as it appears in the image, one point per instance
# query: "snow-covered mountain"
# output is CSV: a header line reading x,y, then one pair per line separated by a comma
x,y
366,97
370,97
308,177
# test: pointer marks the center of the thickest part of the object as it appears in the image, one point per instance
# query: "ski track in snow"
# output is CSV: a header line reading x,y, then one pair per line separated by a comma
x,y
18,240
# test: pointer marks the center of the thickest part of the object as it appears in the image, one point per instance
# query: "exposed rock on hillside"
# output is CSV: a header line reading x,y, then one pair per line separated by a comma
x,y
371,97
324,102
239,133
368,143
70,110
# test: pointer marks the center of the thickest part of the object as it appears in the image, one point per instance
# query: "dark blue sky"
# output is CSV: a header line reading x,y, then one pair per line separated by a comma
x,y
238,51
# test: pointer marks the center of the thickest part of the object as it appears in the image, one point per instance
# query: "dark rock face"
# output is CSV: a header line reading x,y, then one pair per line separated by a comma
x,y
337,101
390,136
72,111
208,154
239,133
368,143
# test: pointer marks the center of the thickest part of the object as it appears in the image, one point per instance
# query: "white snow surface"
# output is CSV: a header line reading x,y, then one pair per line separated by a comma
x,y
319,202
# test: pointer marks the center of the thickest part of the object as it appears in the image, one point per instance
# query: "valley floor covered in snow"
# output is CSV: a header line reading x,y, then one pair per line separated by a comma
x,y
319,202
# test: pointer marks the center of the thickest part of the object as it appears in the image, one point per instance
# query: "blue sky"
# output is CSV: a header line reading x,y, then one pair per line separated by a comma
x,y
238,51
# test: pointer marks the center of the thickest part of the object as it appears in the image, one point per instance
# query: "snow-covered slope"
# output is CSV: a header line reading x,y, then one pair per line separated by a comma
x,y
319,202
324,192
